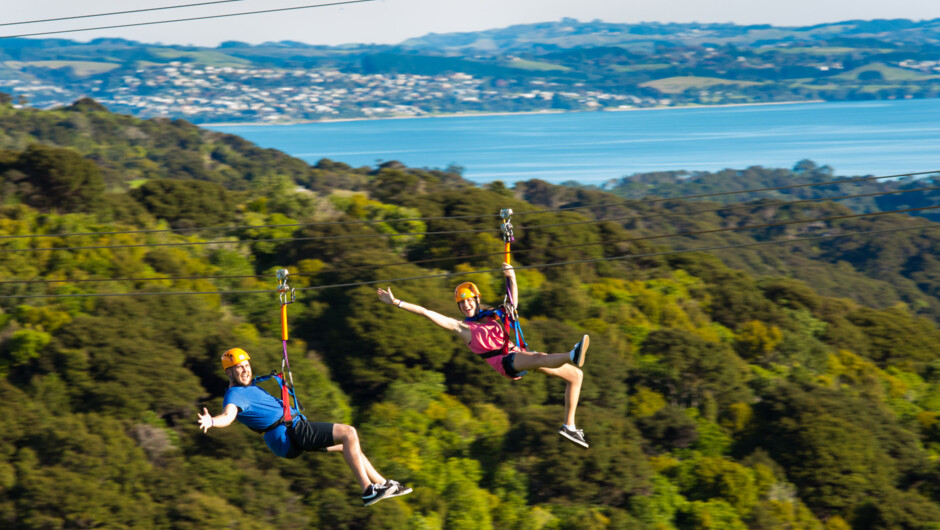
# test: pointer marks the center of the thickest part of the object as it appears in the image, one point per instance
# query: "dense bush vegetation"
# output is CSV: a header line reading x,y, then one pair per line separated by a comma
x,y
714,397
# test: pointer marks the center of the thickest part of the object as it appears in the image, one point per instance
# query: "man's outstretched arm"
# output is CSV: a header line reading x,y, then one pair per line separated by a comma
x,y
207,421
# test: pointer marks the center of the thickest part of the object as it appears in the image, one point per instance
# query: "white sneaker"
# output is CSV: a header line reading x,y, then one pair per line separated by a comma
x,y
576,436
374,493
580,351
397,489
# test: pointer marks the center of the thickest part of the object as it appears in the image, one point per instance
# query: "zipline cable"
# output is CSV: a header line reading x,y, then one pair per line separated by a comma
x,y
485,271
237,241
247,227
491,216
153,279
117,13
448,232
535,249
206,17
626,256
592,243
286,296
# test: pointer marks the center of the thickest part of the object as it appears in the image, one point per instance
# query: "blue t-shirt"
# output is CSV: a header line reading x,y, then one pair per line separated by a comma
x,y
259,410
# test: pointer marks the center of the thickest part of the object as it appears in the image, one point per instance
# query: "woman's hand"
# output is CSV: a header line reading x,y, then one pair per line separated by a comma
x,y
386,296
511,280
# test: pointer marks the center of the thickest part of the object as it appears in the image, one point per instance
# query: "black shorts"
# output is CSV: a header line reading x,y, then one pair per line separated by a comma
x,y
309,436
509,364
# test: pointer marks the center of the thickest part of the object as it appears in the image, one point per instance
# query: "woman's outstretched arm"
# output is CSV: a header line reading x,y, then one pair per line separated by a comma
x,y
513,288
445,322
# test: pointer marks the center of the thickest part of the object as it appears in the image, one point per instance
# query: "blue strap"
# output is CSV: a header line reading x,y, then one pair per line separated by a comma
x,y
498,313
521,339
280,384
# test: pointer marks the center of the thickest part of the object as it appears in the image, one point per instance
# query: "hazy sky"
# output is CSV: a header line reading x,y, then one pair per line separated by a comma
x,y
391,21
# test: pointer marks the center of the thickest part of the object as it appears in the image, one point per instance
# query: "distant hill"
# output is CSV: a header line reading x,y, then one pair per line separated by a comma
x,y
805,177
565,65
571,33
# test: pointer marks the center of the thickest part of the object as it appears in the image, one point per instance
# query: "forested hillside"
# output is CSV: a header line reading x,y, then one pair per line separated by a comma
x,y
789,385
806,180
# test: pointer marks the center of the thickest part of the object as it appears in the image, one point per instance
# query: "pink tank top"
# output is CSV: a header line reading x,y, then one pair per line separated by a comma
x,y
487,335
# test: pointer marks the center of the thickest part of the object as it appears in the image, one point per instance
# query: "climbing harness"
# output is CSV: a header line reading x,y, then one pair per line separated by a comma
x,y
509,304
286,296
506,313
506,229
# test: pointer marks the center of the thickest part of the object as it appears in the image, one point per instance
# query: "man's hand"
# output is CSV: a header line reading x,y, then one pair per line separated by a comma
x,y
205,420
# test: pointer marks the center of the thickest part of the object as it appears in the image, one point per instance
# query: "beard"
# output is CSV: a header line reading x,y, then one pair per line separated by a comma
x,y
235,381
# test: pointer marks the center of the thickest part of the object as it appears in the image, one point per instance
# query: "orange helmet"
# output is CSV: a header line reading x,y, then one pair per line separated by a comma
x,y
234,356
466,290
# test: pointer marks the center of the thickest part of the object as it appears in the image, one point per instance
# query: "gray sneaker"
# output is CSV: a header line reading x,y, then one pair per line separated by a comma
x,y
397,489
580,351
576,436
374,493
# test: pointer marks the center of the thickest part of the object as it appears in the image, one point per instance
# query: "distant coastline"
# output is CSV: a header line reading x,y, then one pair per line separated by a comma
x,y
477,114
338,120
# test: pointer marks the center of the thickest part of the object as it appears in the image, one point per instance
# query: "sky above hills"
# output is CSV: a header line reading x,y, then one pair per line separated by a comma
x,y
392,21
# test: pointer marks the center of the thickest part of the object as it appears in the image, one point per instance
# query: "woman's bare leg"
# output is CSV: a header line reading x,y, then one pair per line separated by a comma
x,y
573,376
525,360
556,364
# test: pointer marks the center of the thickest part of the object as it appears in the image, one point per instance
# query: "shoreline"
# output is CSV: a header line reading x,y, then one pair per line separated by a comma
x,y
429,116
507,113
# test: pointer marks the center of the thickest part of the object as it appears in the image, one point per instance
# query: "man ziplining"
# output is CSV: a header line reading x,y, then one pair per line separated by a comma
x,y
261,412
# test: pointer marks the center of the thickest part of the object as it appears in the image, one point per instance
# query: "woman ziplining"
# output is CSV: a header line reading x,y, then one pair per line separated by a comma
x,y
485,331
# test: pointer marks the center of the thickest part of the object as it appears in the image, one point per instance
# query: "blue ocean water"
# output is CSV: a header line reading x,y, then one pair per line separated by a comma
x,y
854,138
